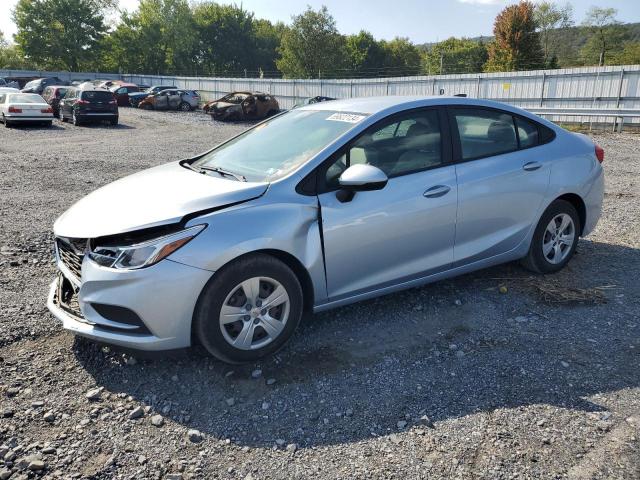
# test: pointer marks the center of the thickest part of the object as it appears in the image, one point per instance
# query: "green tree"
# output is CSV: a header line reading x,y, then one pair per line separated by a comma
x,y
311,46
630,54
225,37
268,37
550,16
159,37
516,45
60,34
401,57
605,34
456,55
365,55
10,58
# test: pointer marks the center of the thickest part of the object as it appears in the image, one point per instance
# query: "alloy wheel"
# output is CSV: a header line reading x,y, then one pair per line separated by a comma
x,y
558,238
254,313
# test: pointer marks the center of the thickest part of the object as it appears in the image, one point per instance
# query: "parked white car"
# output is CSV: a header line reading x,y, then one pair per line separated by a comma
x,y
9,90
24,108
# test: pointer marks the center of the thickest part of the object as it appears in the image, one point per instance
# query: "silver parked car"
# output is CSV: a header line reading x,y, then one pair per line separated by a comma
x,y
316,208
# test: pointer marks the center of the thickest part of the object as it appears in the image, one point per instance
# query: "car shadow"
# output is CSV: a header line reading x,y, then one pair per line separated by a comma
x,y
101,125
489,340
35,126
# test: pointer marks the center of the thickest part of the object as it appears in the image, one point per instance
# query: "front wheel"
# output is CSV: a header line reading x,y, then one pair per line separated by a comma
x,y
555,238
249,309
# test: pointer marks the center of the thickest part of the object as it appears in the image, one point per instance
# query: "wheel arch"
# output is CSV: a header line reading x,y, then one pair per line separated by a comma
x,y
299,270
578,204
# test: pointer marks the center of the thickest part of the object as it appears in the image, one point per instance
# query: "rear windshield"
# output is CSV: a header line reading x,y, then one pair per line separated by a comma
x,y
26,98
97,96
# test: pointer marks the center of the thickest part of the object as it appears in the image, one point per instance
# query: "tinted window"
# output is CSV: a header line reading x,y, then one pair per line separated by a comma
x,y
485,132
527,133
2,97
97,96
402,145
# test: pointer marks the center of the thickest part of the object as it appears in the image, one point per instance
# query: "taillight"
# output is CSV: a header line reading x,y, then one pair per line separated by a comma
x,y
15,110
47,110
599,153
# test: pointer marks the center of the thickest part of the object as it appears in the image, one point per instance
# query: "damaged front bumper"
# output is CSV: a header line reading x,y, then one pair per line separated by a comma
x,y
145,309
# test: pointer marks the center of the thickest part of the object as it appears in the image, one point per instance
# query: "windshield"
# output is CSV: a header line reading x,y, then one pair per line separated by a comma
x,y
276,147
26,98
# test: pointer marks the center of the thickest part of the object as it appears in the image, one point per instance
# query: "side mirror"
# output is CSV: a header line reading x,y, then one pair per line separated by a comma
x,y
360,178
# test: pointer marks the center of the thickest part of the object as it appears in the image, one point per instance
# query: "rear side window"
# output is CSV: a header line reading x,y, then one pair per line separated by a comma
x,y
95,97
484,133
527,133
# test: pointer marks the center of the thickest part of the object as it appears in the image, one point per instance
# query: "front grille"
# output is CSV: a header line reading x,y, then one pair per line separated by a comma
x,y
66,298
71,254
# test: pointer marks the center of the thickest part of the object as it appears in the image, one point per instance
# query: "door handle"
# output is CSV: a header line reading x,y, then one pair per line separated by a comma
x,y
437,191
531,166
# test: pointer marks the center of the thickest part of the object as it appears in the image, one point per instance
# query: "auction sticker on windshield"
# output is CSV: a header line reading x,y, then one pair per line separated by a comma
x,y
346,117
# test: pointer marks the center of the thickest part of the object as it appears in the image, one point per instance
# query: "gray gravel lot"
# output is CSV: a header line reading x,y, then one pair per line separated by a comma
x,y
491,375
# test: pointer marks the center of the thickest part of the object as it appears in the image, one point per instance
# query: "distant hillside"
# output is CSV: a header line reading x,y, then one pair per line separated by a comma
x,y
566,42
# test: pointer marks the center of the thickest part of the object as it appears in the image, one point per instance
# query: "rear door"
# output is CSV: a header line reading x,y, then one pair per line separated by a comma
x,y
174,99
502,182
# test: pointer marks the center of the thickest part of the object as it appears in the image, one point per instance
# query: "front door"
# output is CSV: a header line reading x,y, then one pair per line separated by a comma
x,y
402,232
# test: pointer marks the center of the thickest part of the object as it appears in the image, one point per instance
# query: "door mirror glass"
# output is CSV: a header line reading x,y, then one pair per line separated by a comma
x,y
362,177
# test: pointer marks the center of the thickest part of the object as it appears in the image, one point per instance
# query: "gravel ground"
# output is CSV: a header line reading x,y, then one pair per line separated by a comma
x,y
496,374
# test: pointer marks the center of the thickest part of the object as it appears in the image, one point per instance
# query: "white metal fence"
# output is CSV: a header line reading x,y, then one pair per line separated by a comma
x,y
544,91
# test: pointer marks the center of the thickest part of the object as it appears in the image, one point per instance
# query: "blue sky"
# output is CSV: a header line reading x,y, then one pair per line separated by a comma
x,y
420,20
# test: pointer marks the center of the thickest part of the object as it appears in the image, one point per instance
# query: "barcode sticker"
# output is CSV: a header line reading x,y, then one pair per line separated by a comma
x,y
346,117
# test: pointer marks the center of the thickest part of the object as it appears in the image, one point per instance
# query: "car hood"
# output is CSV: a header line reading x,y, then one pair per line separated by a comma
x,y
153,197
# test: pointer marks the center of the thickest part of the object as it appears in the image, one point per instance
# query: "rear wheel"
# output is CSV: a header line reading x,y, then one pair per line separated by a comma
x,y
555,238
184,107
114,121
5,121
249,309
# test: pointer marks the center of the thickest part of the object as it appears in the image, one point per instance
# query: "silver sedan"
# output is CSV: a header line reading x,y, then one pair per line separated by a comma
x,y
319,207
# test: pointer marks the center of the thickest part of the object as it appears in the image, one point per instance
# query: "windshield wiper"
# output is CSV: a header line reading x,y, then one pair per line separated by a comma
x,y
226,173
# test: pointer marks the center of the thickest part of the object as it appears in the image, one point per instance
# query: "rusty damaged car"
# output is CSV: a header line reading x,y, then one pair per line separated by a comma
x,y
172,99
243,106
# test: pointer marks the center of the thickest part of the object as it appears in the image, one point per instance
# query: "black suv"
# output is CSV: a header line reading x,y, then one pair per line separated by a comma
x,y
88,104
38,85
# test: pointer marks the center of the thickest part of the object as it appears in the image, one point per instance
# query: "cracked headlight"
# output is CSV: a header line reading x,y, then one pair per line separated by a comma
x,y
144,254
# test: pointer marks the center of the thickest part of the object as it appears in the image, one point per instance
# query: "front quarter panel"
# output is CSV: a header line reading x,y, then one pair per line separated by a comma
x,y
288,225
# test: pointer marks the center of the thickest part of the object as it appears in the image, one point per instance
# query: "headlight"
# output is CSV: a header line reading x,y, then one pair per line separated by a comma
x,y
129,257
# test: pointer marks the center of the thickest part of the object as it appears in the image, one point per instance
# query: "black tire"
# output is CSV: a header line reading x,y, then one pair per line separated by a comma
x,y
184,107
535,260
114,121
48,124
206,326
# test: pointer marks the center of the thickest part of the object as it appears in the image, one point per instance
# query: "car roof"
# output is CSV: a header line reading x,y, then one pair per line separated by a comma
x,y
373,105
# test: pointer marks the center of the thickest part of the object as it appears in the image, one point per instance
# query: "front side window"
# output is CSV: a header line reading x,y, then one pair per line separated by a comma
x,y
278,146
484,133
404,144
